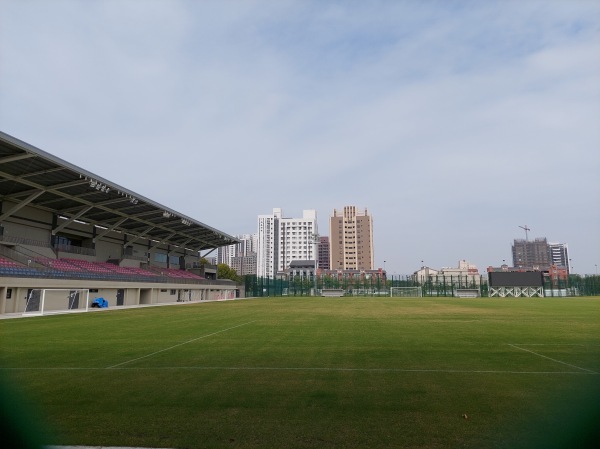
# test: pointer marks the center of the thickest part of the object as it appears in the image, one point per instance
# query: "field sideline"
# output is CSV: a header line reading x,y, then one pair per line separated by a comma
x,y
313,372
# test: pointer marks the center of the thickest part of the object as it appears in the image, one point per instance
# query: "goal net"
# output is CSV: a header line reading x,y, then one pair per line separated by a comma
x,y
43,301
406,292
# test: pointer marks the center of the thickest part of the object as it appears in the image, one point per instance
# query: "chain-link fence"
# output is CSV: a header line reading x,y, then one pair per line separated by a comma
x,y
574,285
432,286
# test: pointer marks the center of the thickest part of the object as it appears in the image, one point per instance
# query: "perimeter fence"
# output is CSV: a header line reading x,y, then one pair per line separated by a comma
x,y
432,286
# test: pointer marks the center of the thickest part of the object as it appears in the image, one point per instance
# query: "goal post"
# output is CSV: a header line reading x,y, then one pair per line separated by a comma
x,y
44,301
406,292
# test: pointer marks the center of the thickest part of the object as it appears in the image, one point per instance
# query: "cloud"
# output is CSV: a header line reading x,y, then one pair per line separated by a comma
x,y
452,122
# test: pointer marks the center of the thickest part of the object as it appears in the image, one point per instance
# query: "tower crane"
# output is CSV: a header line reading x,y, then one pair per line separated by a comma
x,y
526,229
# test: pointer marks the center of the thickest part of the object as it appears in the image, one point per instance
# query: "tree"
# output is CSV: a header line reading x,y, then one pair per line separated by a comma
x,y
224,271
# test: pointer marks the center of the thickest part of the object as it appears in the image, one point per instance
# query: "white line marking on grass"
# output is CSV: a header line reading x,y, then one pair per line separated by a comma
x,y
179,344
452,321
554,360
266,368
368,370
554,344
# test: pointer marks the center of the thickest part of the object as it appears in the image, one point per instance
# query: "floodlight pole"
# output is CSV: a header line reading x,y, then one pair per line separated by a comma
x,y
385,274
316,256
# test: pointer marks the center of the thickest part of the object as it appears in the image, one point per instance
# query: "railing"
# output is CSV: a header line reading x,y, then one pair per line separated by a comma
x,y
200,266
24,241
22,255
142,258
75,250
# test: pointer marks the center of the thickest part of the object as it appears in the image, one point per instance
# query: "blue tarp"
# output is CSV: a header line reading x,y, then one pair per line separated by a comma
x,y
100,302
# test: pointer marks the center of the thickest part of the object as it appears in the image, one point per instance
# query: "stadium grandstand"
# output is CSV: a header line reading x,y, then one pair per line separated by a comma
x,y
63,228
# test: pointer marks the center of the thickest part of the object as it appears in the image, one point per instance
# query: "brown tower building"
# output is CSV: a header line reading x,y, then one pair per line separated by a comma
x,y
351,240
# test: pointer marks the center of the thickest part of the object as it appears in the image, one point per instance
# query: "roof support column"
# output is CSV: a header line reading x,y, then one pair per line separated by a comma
x,y
107,230
71,220
20,205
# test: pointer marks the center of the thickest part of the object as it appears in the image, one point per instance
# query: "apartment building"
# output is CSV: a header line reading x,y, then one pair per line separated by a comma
x,y
282,240
559,255
240,256
351,240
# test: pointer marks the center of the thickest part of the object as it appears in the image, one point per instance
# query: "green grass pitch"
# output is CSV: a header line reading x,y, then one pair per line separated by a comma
x,y
312,373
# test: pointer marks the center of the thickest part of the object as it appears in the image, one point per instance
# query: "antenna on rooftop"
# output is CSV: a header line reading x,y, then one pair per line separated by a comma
x,y
526,229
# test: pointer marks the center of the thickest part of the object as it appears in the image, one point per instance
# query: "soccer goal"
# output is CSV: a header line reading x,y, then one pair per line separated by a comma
x,y
44,301
406,292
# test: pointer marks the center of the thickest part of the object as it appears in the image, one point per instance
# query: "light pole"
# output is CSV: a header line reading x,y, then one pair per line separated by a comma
x,y
316,256
384,275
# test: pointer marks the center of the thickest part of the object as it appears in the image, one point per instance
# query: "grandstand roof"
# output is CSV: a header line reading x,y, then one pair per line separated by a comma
x,y
33,177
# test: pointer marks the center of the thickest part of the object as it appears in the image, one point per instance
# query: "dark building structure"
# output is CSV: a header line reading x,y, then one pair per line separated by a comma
x,y
538,254
324,253
531,253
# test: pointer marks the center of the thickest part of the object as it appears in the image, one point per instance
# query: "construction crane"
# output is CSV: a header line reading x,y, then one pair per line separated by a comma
x,y
526,229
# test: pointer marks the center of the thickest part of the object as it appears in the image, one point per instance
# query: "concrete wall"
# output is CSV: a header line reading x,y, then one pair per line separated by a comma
x,y
13,293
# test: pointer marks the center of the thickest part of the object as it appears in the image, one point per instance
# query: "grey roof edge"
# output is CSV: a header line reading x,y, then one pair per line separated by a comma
x,y
24,146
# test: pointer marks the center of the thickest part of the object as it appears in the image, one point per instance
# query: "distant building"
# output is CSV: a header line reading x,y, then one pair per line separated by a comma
x,y
282,240
324,253
351,240
240,256
268,243
559,255
423,274
244,264
211,260
465,274
355,275
538,254
301,268
531,253
464,268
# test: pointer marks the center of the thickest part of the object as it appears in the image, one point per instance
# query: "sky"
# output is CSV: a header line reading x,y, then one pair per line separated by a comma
x,y
452,122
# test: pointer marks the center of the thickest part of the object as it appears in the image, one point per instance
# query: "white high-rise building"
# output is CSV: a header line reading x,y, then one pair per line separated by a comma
x,y
225,254
282,240
559,254
268,236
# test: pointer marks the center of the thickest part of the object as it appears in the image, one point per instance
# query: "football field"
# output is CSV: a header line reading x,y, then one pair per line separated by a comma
x,y
311,373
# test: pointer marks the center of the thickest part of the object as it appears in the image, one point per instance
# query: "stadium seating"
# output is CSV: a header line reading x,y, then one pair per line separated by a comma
x,y
8,263
11,268
57,264
84,269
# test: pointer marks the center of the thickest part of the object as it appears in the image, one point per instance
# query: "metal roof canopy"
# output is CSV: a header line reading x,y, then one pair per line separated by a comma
x,y
30,176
